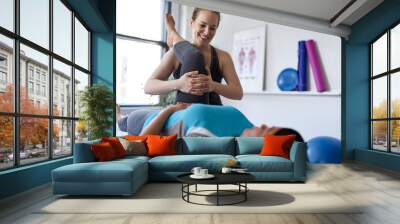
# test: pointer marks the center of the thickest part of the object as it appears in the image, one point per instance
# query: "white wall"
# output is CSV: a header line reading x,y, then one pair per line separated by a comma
x,y
311,115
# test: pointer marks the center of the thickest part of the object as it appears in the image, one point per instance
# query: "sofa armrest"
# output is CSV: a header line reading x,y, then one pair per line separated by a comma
x,y
83,152
299,159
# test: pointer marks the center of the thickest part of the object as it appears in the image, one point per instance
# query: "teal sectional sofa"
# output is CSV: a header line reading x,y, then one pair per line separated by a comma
x,y
125,176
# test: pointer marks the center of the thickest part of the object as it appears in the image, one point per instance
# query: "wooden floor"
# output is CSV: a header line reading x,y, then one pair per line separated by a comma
x,y
378,189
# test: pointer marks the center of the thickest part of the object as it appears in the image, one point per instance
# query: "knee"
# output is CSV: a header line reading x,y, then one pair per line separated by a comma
x,y
195,57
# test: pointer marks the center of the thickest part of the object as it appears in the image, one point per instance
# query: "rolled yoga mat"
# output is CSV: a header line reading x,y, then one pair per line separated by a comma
x,y
302,66
315,63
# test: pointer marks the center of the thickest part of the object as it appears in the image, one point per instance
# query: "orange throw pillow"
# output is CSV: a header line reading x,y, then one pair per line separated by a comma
x,y
116,145
275,145
135,138
103,151
161,145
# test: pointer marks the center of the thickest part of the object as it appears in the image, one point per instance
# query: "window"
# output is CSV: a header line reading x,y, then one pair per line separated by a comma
x,y
34,22
7,14
144,43
53,125
3,61
30,72
44,91
37,89
38,74
385,94
3,78
3,72
30,87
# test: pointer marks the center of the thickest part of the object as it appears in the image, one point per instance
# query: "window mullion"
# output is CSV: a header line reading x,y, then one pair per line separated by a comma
x,y
389,106
50,81
16,83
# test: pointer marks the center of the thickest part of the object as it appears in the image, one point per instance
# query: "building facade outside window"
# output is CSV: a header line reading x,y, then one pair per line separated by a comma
x,y
45,132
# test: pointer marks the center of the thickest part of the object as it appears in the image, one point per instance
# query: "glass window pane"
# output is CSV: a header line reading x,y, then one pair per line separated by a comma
x,y
81,45
142,20
379,135
6,142
395,47
395,94
62,29
379,55
35,21
395,136
81,131
62,138
379,97
33,139
7,14
6,74
34,96
81,81
131,74
62,89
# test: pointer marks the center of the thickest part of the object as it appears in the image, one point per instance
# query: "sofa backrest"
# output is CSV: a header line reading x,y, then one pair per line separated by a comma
x,y
249,145
206,145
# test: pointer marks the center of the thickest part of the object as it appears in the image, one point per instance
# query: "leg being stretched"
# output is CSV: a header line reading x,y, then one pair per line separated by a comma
x,y
191,59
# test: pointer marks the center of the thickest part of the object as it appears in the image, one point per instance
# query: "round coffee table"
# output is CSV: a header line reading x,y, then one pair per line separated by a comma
x,y
238,179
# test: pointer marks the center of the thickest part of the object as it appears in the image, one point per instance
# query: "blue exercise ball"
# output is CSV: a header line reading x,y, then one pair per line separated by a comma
x,y
324,149
288,79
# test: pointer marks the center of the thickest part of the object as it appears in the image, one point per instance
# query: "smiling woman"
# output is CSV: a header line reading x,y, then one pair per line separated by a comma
x,y
204,59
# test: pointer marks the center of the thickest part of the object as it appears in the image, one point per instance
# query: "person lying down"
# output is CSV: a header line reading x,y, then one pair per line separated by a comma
x,y
196,120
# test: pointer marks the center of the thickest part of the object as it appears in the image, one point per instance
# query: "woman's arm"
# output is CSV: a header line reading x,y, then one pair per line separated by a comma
x,y
158,82
232,89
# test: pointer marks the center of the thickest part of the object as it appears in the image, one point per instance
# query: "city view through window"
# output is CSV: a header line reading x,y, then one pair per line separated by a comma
x,y
385,92
32,130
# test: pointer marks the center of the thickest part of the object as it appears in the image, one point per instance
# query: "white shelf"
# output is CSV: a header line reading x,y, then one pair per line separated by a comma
x,y
297,93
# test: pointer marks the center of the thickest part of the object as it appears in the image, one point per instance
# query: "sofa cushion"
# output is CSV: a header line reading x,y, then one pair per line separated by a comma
x,y
185,163
111,171
249,145
206,145
257,163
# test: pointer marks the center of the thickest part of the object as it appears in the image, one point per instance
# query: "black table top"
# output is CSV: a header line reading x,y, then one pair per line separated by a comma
x,y
220,178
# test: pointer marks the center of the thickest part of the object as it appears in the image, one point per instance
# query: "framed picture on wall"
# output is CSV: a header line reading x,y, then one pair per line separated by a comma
x,y
249,49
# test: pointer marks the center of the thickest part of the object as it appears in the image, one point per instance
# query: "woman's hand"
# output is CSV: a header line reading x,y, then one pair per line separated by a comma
x,y
195,83
177,107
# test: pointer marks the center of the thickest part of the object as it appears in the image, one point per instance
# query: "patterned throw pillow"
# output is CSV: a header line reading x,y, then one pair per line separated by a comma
x,y
135,147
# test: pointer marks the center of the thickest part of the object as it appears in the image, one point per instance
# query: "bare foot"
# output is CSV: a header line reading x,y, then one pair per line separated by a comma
x,y
118,112
173,36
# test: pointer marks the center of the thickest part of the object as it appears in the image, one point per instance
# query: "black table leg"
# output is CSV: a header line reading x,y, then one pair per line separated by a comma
x,y
217,194
245,193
